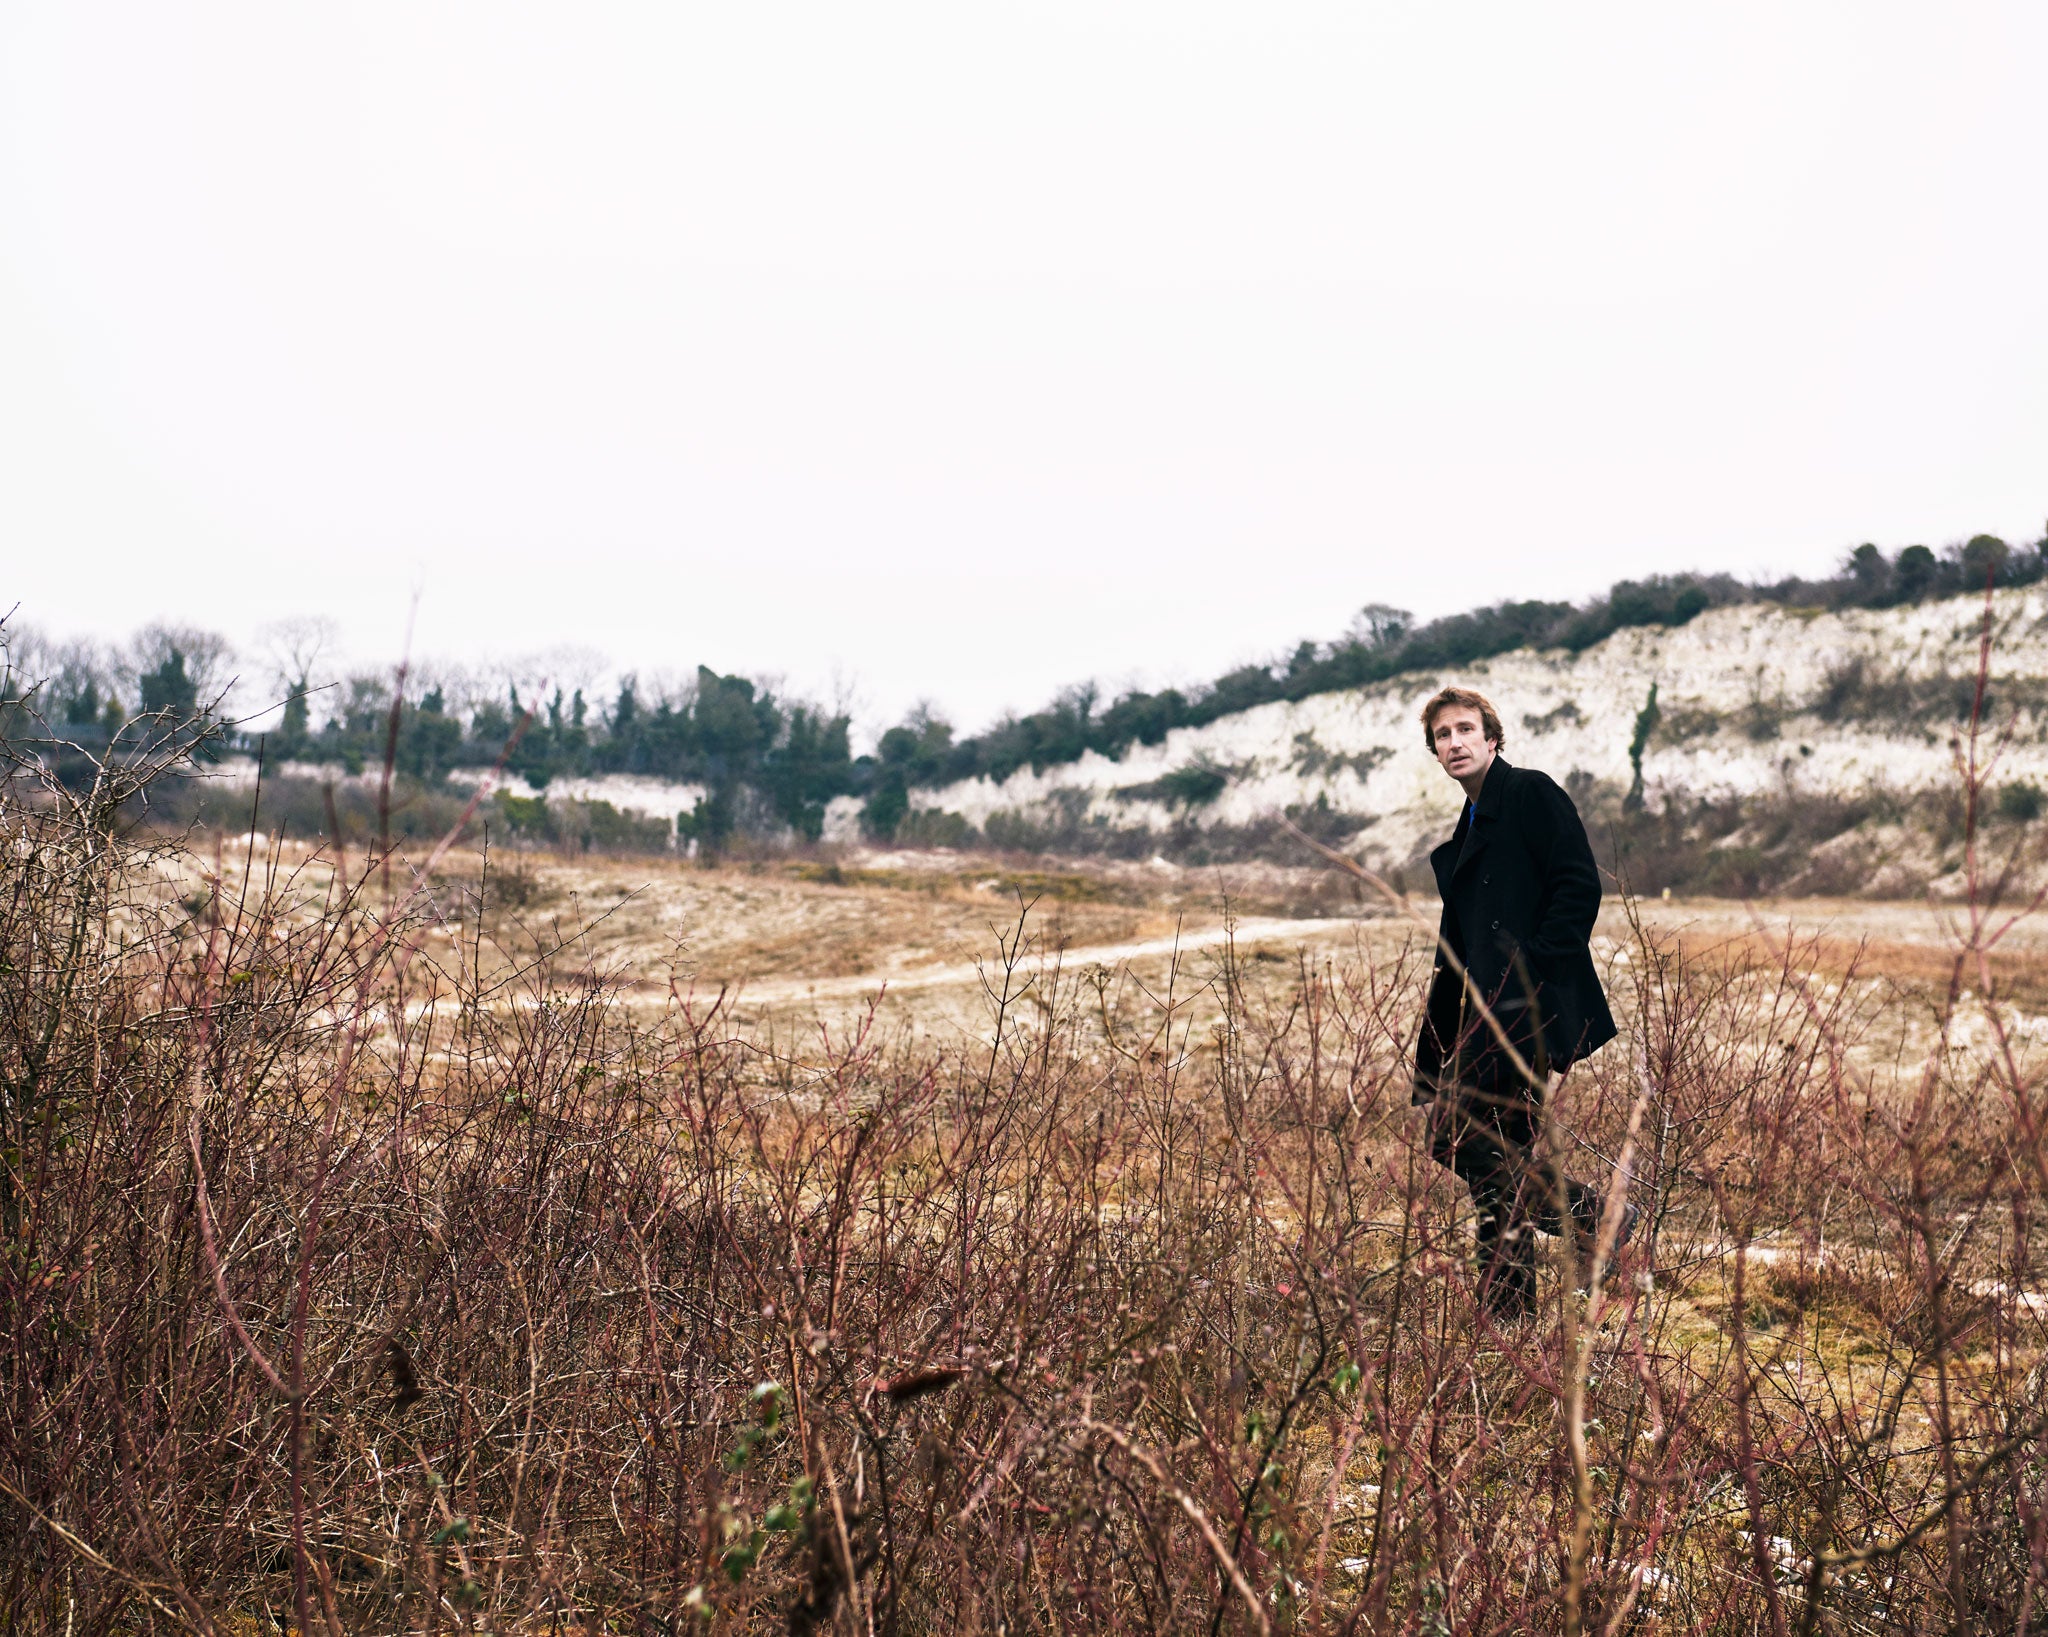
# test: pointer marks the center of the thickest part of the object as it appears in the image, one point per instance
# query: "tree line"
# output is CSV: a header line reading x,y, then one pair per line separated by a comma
x,y
770,763
766,763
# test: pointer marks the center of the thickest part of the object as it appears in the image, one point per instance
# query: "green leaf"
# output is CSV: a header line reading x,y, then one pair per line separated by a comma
x,y
743,1450
739,1559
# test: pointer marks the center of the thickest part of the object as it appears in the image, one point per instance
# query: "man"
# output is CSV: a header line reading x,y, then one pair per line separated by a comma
x,y
1520,893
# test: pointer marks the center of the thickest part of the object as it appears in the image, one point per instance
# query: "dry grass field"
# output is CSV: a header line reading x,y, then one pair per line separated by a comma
x,y
912,933
951,1243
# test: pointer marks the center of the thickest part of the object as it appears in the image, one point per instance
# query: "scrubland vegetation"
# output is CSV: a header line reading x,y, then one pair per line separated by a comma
x,y
375,1261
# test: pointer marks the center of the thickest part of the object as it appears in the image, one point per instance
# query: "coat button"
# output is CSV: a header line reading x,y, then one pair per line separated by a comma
x,y
1496,926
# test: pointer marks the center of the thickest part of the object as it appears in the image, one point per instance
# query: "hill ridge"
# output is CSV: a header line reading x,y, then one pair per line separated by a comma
x,y
1841,721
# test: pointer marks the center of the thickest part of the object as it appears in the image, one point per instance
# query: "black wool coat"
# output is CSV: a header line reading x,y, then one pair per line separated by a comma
x,y
1517,879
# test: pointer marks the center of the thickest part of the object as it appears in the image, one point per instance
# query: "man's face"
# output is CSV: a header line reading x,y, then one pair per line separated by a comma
x,y
1461,744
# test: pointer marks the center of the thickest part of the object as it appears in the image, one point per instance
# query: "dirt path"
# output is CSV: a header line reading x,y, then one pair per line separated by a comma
x,y
1885,933
1264,930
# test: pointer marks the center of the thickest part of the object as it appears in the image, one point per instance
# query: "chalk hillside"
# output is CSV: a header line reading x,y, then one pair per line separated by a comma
x,y
1825,741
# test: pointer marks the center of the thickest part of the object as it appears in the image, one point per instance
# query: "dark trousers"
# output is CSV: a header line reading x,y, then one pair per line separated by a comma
x,y
1487,1126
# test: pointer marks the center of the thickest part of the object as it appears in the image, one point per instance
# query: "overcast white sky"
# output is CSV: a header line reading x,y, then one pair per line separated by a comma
x,y
975,349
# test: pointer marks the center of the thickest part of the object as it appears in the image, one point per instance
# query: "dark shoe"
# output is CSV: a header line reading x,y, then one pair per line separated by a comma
x,y
1586,1242
1588,1227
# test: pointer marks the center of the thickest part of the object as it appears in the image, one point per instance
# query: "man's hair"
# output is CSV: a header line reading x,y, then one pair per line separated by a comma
x,y
1489,718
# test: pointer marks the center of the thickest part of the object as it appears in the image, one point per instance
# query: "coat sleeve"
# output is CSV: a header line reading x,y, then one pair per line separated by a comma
x,y
1571,892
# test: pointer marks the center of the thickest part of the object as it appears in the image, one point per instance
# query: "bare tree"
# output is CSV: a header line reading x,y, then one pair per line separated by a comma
x,y
295,647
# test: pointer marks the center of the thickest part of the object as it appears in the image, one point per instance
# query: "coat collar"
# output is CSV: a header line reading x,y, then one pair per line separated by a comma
x,y
1492,797
1492,792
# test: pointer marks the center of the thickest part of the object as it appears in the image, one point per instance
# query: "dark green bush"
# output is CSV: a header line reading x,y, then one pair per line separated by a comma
x,y
2020,802
931,827
1195,785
